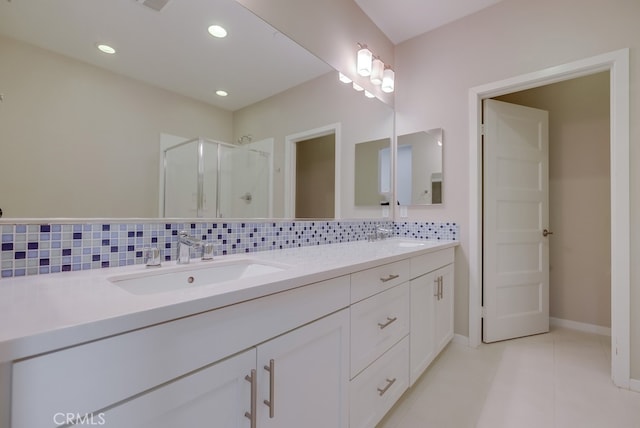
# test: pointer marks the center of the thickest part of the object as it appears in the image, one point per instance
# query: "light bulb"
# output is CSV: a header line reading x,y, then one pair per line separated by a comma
x,y
377,71
217,31
364,61
388,78
106,48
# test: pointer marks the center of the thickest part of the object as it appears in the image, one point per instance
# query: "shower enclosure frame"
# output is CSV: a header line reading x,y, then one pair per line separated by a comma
x,y
200,203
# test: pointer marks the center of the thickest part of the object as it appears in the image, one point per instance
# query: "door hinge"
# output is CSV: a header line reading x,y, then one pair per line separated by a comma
x,y
484,312
482,129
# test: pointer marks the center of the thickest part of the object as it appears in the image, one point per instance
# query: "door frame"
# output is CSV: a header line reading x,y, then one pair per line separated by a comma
x,y
617,63
290,142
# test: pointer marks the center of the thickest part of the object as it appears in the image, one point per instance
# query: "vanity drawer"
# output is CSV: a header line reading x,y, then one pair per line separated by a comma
x,y
372,281
377,323
92,376
374,391
431,261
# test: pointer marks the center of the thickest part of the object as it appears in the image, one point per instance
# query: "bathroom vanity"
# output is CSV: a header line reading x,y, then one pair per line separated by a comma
x,y
331,336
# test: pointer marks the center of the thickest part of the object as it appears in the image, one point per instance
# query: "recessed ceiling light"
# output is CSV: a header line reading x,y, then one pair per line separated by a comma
x,y
217,31
221,93
106,48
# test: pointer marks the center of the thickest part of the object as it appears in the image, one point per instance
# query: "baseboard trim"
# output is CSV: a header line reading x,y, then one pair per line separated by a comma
x,y
634,385
580,326
460,339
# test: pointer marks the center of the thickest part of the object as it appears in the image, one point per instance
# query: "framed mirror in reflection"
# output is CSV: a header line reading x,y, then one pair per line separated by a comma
x,y
419,168
373,173
82,130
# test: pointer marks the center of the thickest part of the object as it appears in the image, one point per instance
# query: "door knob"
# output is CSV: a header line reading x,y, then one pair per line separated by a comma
x,y
546,233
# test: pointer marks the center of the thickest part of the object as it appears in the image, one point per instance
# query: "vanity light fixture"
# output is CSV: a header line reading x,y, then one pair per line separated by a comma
x,y
371,66
369,94
217,31
364,60
105,48
377,70
388,80
357,87
343,78
221,93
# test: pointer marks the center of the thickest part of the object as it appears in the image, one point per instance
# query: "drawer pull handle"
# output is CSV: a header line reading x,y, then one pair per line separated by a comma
x,y
252,416
388,323
389,278
271,368
386,388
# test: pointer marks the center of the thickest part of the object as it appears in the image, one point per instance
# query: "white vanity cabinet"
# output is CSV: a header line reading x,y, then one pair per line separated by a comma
x,y
431,309
311,361
401,318
335,353
300,378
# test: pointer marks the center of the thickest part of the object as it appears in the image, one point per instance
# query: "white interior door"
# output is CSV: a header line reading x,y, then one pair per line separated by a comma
x,y
516,214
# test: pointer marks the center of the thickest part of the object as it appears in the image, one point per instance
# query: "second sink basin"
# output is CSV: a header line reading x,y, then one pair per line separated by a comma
x,y
409,244
190,276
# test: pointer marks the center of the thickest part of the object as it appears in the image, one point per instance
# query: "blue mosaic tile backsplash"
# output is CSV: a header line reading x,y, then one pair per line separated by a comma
x,y
33,249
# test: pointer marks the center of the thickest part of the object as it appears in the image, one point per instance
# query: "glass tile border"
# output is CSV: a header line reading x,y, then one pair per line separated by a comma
x,y
38,249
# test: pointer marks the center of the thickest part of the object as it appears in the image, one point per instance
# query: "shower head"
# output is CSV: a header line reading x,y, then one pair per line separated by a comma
x,y
245,139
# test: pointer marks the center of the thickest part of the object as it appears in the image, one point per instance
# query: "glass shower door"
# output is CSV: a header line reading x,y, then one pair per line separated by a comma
x,y
181,180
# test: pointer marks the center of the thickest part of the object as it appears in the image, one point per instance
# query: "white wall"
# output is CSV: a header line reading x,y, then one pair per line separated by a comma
x,y
436,70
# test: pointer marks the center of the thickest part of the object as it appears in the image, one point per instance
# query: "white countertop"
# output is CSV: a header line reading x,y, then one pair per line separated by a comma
x,y
43,313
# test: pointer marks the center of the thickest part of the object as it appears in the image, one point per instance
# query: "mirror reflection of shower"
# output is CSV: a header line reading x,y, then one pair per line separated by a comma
x,y
245,139
202,178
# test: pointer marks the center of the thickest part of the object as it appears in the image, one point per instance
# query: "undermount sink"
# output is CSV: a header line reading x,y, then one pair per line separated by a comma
x,y
405,244
177,278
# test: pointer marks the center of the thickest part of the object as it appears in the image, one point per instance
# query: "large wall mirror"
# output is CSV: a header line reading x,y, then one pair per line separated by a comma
x,y
419,168
87,134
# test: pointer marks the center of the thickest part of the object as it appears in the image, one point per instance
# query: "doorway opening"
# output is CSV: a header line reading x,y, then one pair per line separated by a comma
x,y
312,173
578,199
617,63
315,177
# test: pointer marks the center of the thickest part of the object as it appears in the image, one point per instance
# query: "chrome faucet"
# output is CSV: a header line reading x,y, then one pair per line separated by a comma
x,y
186,241
380,233
152,257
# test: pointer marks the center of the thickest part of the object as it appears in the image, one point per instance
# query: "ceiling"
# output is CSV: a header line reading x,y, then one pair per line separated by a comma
x,y
402,20
170,48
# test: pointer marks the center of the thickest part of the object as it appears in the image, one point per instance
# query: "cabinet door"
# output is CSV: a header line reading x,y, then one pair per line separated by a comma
x,y
422,341
303,376
217,396
444,312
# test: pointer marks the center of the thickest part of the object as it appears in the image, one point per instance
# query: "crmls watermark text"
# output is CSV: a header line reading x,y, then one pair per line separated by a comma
x,y
79,419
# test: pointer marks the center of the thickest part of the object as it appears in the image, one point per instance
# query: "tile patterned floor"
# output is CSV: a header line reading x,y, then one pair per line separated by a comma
x,y
555,380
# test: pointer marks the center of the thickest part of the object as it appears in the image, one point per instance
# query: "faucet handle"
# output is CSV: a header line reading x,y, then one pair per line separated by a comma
x,y
152,256
207,251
